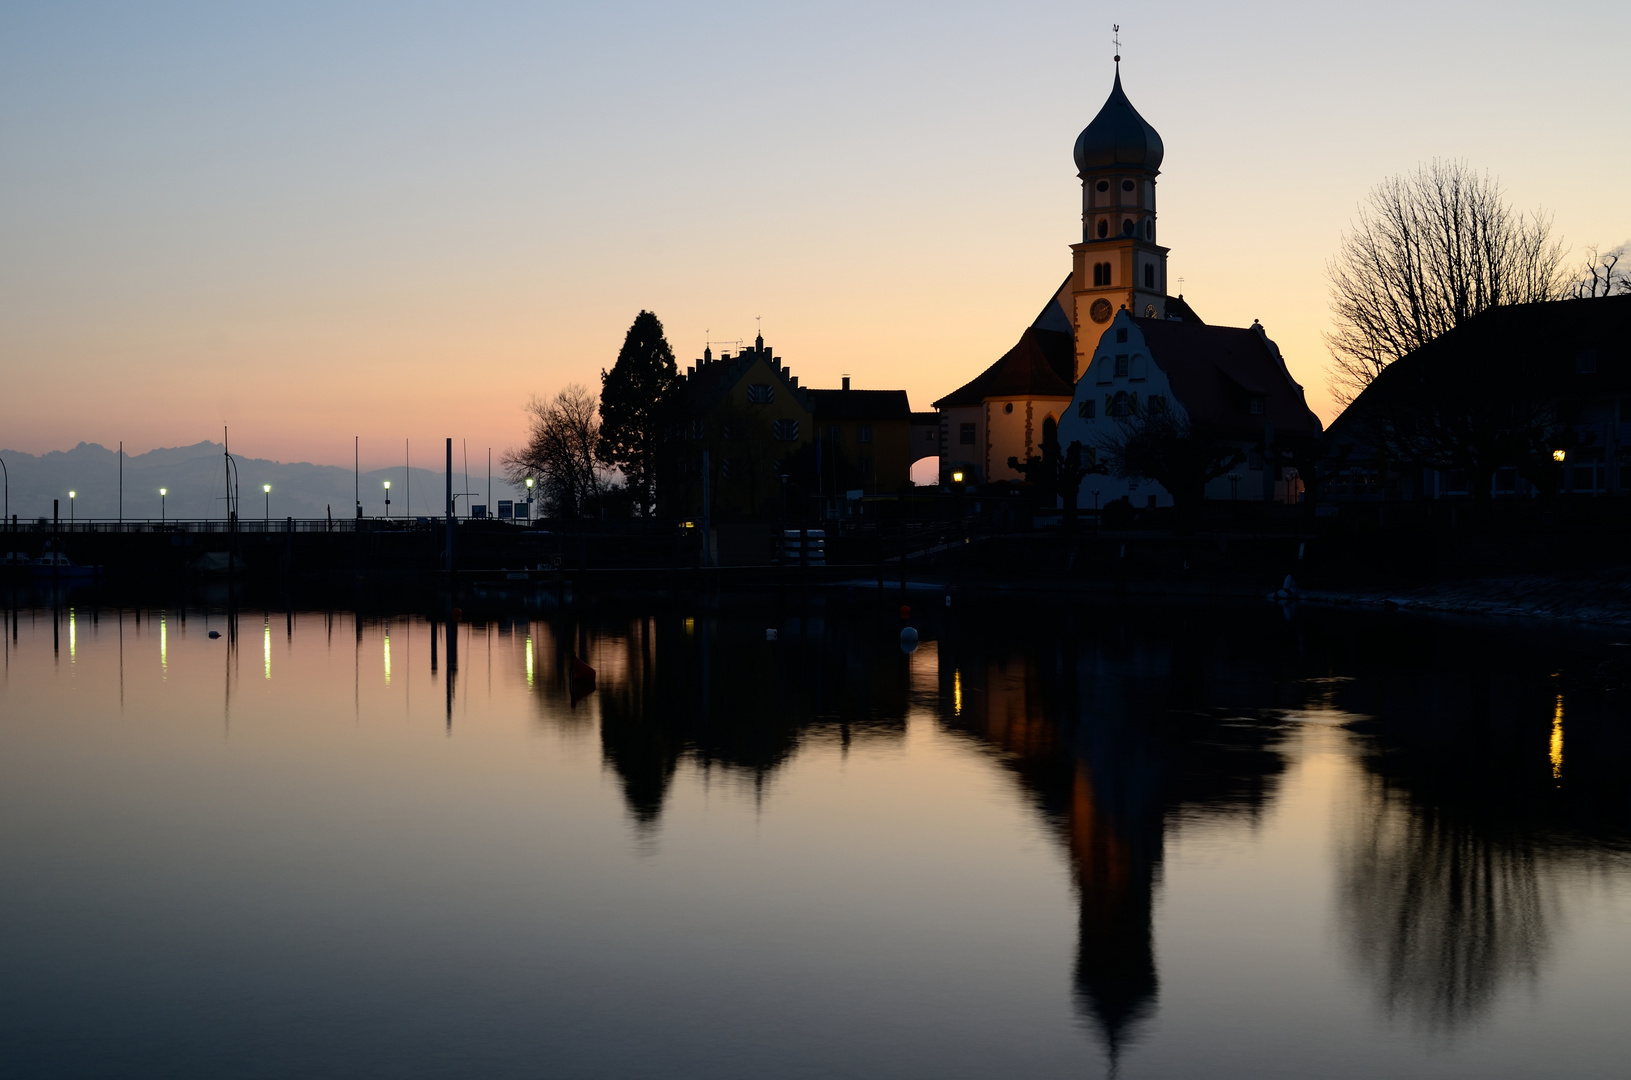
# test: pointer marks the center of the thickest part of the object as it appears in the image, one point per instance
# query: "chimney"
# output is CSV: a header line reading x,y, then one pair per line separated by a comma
x,y
846,382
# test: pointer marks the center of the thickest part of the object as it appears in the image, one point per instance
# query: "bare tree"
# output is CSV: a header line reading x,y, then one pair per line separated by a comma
x,y
1163,446
1429,250
1602,275
560,454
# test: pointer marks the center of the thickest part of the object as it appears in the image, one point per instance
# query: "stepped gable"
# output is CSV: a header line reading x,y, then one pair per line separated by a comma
x,y
711,380
1041,364
1215,371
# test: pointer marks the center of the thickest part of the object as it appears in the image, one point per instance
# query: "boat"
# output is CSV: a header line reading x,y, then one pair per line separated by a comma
x,y
54,564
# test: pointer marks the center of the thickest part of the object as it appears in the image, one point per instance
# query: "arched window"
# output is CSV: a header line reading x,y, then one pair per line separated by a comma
x,y
1104,228
1101,273
1050,430
1149,229
1127,227
1149,276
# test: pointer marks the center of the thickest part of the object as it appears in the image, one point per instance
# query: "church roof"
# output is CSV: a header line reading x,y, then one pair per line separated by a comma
x,y
1041,364
1118,136
1216,371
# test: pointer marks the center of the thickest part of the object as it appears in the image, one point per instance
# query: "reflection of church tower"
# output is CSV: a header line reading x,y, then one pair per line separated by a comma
x,y
1118,263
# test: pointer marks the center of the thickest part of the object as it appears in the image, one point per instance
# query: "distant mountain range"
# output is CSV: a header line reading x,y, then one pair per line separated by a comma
x,y
196,481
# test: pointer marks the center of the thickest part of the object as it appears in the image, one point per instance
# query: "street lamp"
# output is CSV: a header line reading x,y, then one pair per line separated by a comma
x,y
267,488
1558,455
71,496
529,500
162,493
387,500
957,477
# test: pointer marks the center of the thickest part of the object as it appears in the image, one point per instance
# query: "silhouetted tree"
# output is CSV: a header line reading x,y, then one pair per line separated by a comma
x,y
1059,473
634,399
1429,250
560,455
1602,275
1162,445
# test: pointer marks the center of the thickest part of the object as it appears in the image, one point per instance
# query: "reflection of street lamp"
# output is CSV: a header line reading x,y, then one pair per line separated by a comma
x,y
387,500
267,488
162,493
71,496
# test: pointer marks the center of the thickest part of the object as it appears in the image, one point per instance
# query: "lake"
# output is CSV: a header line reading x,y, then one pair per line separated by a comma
x,y
1154,841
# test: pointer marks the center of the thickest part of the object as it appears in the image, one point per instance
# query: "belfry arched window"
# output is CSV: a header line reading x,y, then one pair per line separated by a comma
x,y
1104,229
1149,276
1127,227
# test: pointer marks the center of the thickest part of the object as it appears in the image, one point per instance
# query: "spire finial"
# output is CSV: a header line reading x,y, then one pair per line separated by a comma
x,y
1115,29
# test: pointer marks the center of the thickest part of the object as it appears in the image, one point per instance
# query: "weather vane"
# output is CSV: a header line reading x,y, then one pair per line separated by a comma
x,y
1115,29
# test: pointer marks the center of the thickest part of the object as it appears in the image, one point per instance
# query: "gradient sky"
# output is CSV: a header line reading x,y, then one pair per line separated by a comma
x,y
398,220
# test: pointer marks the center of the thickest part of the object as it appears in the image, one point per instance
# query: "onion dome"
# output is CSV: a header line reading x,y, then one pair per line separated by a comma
x,y
1118,137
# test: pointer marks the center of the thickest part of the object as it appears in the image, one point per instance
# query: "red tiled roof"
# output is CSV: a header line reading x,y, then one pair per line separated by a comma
x,y
1215,372
1041,364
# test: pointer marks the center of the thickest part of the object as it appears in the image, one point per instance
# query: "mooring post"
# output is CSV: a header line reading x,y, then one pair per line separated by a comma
x,y
452,533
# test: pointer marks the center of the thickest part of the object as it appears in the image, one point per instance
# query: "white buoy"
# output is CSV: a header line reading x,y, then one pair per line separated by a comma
x,y
948,599
908,640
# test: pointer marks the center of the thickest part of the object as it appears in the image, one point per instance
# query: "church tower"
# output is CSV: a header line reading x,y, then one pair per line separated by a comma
x,y
1118,264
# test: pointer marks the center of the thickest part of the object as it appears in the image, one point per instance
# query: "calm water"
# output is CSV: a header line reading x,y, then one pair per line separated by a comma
x,y
1048,843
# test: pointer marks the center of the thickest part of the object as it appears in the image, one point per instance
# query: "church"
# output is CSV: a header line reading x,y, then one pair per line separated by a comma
x,y
1112,340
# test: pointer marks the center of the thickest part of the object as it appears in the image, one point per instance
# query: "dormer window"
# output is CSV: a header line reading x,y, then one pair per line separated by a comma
x,y
1259,404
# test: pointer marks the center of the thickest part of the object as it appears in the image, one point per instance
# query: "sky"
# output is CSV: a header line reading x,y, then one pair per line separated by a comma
x,y
314,222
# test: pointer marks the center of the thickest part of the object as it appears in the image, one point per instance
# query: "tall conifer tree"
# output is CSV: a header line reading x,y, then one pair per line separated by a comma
x,y
633,395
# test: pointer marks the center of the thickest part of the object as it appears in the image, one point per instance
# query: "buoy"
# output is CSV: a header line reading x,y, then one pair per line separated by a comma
x,y
457,613
906,611
770,634
948,599
215,633
908,640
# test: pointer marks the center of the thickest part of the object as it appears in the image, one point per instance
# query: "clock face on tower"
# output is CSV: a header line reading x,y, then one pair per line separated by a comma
x,y
1100,310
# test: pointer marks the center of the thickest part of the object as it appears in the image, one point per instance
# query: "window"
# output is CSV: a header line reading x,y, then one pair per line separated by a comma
x,y
1585,363
1126,185
965,434
761,393
1101,273
1149,276
866,468
1258,405
1087,409
863,433
1008,408
1121,335
1103,369
1149,228
1118,405
1121,365
1135,368
785,430
1127,227
1104,185
1104,229
727,430
1158,404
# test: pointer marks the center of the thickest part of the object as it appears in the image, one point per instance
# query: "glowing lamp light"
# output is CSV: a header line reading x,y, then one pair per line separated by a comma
x,y
957,478
1558,455
529,483
72,494
267,488
387,485
164,491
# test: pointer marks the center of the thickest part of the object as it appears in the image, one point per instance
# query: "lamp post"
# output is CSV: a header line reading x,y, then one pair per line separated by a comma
x,y
162,493
7,474
529,500
387,500
71,496
267,489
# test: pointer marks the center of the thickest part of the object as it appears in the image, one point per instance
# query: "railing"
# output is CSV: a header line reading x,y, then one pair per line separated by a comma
x,y
259,526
